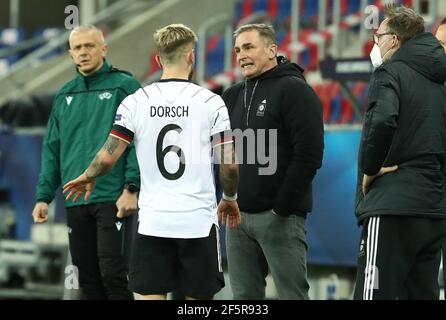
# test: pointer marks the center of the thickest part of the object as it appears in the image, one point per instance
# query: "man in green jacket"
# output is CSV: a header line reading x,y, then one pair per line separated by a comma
x,y
82,115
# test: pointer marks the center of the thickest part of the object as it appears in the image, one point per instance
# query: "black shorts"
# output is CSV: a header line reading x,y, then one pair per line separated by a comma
x,y
191,267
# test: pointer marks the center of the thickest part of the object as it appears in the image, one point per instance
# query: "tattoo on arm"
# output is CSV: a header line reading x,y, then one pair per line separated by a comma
x,y
97,167
229,175
111,144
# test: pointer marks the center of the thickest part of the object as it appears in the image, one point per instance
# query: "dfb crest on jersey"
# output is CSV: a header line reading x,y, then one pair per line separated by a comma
x,y
261,109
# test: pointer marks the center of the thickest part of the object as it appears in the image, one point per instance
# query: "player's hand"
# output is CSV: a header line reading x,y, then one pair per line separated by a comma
x,y
229,213
368,180
75,188
40,212
127,204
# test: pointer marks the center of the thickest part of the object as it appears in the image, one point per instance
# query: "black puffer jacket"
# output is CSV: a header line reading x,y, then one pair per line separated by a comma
x,y
278,99
405,125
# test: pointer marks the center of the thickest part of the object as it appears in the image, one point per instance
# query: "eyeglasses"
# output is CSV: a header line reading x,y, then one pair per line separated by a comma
x,y
376,36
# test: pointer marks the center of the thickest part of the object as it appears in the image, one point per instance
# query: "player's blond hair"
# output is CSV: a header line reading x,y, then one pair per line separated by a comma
x,y
172,41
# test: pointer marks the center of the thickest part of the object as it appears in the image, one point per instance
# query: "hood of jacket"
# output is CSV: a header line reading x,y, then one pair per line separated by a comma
x,y
284,68
425,55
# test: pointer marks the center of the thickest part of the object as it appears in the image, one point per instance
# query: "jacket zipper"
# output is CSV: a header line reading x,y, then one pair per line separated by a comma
x,y
250,100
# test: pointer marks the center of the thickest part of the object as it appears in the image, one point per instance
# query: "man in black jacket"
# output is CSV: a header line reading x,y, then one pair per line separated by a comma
x,y
401,185
441,36
278,115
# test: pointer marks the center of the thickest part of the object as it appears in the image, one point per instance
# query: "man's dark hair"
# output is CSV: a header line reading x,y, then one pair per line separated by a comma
x,y
404,22
443,21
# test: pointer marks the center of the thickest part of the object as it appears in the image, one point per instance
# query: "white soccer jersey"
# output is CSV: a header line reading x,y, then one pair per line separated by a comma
x,y
172,122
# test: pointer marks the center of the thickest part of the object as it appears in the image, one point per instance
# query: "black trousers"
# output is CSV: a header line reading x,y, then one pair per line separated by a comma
x,y
444,265
399,258
97,244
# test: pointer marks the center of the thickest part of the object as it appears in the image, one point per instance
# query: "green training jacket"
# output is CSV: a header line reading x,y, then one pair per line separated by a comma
x,y
80,121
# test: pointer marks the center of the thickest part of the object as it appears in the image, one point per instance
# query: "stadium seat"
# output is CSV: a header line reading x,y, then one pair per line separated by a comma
x,y
11,36
215,48
48,34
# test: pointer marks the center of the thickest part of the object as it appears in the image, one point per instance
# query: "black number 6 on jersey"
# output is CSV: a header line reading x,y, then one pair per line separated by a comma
x,y
161,153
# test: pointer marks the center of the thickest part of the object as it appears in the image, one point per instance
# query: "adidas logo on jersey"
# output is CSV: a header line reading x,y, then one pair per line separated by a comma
x,y
105,95
361,248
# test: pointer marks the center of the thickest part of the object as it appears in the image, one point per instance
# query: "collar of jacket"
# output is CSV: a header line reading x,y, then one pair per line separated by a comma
x,y
88,80
104,69
283,68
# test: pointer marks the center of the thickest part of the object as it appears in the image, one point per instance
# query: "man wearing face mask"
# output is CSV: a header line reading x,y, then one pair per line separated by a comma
x,y
441,33
441,36
401,201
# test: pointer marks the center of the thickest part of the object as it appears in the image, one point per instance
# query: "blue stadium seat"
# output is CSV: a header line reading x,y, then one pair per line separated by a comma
x,y
305,58
215,55
260,5
11,36
309,14
336,109
281,36
48,34
354,6
238,11
284,10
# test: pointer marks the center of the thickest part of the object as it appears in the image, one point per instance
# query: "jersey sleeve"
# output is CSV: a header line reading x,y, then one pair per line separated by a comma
x,y
124,125
220,124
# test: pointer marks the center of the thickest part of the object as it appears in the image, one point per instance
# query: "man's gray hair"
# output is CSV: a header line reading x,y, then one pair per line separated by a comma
x,y
265,31
87,28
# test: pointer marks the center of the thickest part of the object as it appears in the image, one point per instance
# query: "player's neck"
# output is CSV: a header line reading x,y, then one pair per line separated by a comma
x,y
175,72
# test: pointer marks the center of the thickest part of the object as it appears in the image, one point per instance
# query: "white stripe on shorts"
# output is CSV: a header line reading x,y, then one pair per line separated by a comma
x,y
371,251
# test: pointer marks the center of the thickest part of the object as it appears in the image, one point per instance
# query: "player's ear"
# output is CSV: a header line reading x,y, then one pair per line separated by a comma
x,y
104,50
191,56
272,52
158,60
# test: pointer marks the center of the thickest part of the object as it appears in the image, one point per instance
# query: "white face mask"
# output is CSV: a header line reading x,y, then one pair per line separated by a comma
x,y
375,56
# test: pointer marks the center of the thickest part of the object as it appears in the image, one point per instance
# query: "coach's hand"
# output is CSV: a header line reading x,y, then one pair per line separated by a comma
x,y
368,180
127,204
229,213
40,212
